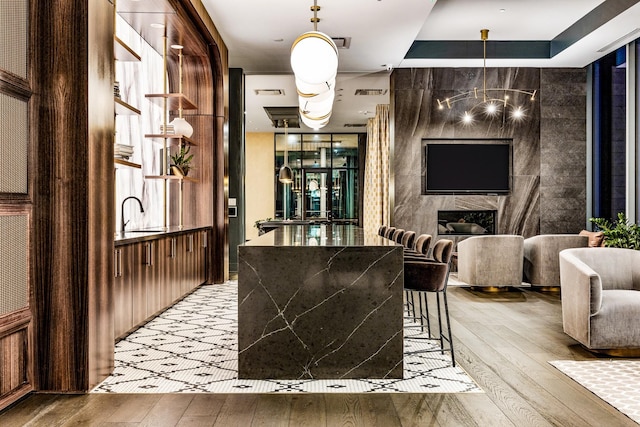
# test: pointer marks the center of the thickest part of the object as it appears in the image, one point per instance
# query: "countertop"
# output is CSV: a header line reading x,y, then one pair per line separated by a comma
x,y
328,235
154,233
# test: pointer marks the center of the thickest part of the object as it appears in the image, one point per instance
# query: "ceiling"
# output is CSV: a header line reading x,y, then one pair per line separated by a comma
x,y
388,34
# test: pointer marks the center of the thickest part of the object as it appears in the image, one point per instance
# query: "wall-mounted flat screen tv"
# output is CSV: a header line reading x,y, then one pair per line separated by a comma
x,y
466,166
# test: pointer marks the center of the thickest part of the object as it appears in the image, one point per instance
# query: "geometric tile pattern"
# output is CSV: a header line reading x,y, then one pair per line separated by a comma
x,y
614,381
192,347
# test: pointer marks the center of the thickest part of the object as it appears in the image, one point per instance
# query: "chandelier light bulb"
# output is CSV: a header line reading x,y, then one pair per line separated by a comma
x,y
517,113
492,108
467,118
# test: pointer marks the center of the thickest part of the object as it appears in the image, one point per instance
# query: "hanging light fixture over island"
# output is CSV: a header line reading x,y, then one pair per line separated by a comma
x,y
314,60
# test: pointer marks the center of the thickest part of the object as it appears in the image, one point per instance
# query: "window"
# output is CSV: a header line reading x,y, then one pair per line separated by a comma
x,y
326,183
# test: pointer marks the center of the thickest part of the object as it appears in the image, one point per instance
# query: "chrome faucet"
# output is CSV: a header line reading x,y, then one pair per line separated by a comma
x,y
122,222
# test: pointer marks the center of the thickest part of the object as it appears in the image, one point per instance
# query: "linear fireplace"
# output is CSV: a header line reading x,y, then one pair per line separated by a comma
x,y
467,222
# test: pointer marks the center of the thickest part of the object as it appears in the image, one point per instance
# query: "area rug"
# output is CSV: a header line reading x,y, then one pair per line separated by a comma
x,y
192,347
614,381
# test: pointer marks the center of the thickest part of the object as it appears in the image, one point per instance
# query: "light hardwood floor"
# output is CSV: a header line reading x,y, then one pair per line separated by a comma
x,y
503,340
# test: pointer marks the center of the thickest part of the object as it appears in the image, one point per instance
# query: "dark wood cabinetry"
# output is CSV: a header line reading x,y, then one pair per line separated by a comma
x,y
152,275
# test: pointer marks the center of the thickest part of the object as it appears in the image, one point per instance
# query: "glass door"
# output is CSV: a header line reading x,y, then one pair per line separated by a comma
x,y
317,195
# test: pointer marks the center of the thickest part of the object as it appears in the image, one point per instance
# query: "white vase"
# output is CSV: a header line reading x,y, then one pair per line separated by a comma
x,y
182,127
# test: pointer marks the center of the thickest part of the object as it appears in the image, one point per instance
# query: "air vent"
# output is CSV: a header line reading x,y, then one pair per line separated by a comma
x,y
619,41
374,92
342,42
355,125
278,115
275,92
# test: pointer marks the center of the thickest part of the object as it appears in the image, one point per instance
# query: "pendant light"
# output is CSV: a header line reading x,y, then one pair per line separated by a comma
x,y
314,61
285,175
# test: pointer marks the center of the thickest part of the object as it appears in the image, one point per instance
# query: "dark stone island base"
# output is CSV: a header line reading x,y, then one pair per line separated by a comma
x,y
320,301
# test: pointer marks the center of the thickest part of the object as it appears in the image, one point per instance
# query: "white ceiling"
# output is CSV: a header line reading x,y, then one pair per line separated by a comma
x,y
259,35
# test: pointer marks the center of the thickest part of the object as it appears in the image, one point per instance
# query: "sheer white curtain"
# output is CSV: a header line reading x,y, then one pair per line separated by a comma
x,y
376,172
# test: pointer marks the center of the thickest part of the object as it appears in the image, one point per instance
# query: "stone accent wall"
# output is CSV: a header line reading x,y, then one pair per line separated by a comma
x,y
546,185
563,155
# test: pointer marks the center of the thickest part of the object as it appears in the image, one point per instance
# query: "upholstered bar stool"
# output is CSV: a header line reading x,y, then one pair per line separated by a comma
x,y
397,235
381,230
389,232
420,248
422,277
408,239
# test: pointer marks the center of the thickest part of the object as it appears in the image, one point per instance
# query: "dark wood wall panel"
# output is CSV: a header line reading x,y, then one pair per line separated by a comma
x,y
101,209
15,357
73,206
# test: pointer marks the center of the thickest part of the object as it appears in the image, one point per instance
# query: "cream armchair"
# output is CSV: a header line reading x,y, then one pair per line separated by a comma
x,y
541,257
491,261
601,298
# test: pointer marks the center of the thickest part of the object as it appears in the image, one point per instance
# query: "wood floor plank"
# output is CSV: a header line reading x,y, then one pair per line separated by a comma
x,y
237,410
413,410
205,405
136,408
378,410
272,410
98,410
168,410
60,411
343,410
196,421
308,410
483,411
27,409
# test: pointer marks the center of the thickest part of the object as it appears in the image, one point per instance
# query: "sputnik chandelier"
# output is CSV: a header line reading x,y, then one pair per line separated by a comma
x,y
492,101
314,60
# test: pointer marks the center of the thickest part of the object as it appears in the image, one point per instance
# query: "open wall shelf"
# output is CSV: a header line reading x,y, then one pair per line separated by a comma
x,y
126,163
123,52
174,101
172,139
171,178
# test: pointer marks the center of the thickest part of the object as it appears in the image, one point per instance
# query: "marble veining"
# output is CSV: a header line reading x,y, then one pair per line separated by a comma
x,y
332,309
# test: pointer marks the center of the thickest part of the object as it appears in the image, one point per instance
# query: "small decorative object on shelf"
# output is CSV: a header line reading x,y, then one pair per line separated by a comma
x,y
181,161
181,127
122,151
170,130
116,89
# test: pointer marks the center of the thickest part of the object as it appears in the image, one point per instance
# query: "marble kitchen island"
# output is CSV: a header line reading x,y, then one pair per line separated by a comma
x,y
320,301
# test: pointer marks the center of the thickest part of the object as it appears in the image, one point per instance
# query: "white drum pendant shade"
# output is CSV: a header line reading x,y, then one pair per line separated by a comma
x,y
314,58
314,123
317,91
315,107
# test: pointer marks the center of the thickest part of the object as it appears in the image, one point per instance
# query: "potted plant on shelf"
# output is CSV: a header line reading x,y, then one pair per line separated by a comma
x,y
181,161
619,234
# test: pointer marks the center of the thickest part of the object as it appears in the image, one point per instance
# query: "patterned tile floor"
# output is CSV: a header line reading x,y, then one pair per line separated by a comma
x,y
192,347
614,381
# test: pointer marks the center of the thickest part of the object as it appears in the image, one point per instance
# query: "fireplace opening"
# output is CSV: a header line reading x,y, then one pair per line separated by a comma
x,y
467,222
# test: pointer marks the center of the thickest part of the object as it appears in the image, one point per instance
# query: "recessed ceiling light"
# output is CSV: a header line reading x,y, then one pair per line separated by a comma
x,y
157,25
502,10
278,40
177,46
